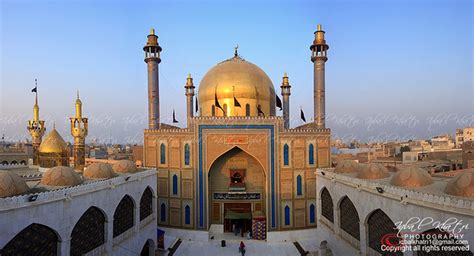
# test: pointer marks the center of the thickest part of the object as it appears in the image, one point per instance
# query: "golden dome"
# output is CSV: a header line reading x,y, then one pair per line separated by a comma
x,y
124,166
11,184
347,166
242,79
99,171
462,185
61,176
53,143
411,177
373,171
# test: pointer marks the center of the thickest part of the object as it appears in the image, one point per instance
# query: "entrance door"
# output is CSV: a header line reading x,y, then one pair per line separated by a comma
x,y
237,217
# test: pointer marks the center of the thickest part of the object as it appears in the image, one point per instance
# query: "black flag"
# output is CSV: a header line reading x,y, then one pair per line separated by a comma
x,y
302,116
216,102
236,102
260,112
36,87
278,102
197,105
174,118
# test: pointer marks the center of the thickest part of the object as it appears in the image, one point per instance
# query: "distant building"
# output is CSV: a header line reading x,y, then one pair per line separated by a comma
x,y
464,134
442,142
468,154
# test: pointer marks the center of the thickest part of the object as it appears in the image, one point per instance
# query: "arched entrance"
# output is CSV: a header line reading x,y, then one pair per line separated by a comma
x,y
36,239
237,193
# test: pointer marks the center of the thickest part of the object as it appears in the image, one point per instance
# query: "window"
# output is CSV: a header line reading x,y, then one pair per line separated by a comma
x,y
175,184
146,204
89,232
224,110
162,153
35,239
247,109
349,218
327,207
163,212
287,215
311,154
286,156
213,110
186,154
311,213
299,186
379,225
123,216
187,215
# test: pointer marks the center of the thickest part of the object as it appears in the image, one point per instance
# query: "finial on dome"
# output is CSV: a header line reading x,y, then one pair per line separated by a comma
x,y
189,75
152,31
320,27
236,53
77,93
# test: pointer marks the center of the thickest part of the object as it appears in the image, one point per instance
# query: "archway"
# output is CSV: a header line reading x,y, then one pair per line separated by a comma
x,y
148,248
123,215
327,206
89,232
36,239
146,204
381,229
237,188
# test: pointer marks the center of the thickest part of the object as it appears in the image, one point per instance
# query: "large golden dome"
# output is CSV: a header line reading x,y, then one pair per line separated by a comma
x,y
53,143
242,79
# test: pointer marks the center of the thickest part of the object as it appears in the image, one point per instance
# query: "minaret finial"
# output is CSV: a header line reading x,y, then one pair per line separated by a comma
x,y
236,48
36,91
152,31
320,27
77,93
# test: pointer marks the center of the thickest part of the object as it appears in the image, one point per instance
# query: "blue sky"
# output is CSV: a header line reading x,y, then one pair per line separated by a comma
x,y
396,69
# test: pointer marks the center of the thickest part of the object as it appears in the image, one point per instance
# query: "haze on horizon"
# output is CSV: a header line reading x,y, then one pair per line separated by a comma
x,y
396,69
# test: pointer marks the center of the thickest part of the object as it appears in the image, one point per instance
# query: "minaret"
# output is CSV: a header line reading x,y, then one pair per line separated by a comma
x,y
319,57
36,127
79,129
152,58
285,93
189,92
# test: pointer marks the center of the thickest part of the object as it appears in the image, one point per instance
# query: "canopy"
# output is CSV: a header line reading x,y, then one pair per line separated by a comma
x,y
238,215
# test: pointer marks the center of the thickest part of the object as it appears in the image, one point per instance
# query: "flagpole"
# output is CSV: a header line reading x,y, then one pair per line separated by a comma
x,y
36,91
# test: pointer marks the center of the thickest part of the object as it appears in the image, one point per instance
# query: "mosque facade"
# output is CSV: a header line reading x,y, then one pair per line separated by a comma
x,y
237,164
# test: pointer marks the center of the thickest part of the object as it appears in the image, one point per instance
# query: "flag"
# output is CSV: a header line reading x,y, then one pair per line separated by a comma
x,y
236,102
259,110
302,116
36,87
278,102
197,105
216,102
174,118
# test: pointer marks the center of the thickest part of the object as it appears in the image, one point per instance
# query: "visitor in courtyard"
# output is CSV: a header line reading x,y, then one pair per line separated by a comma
x,y
242,248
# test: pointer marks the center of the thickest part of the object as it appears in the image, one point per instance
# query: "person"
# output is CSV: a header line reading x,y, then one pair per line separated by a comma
x,y
242,248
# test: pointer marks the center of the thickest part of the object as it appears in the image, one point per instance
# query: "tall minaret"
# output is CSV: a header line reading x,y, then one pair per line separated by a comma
x,y
36,127
152,58
79,129
285,93
189,92
319,57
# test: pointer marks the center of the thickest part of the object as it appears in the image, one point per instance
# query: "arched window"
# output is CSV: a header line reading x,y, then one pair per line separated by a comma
x,y
299,185
162,153
146,204
14,162
36,239
311,154
186,154
175,184
311,213
349,218
327,207
213,110
247,109
379,225
123,215
163,212
187,215
287,215
89,232
286,154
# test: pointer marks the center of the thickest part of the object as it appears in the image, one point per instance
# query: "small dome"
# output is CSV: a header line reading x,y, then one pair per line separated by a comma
x,y
99,171
124,166
411,177
347,166
53,143
61,176
11,184
373,171
462,185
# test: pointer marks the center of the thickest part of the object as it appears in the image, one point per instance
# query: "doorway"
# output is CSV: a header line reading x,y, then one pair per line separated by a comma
x,y
237,218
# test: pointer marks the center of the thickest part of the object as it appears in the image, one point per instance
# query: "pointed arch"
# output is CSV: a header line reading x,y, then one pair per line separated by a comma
x,y
36,239
287,216
187,215
349,218
162,153
146,203
187,154
124,216
379,225
238,148
163,212
175,184
286,155
327,205
299,185
311,154
89,231
312,213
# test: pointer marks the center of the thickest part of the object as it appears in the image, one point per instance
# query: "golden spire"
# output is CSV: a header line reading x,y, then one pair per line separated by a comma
x,y
36,107
152,31
78,106
285,79
236,48
319,27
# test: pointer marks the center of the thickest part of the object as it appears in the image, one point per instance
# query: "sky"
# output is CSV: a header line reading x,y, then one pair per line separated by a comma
x,y
397,69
